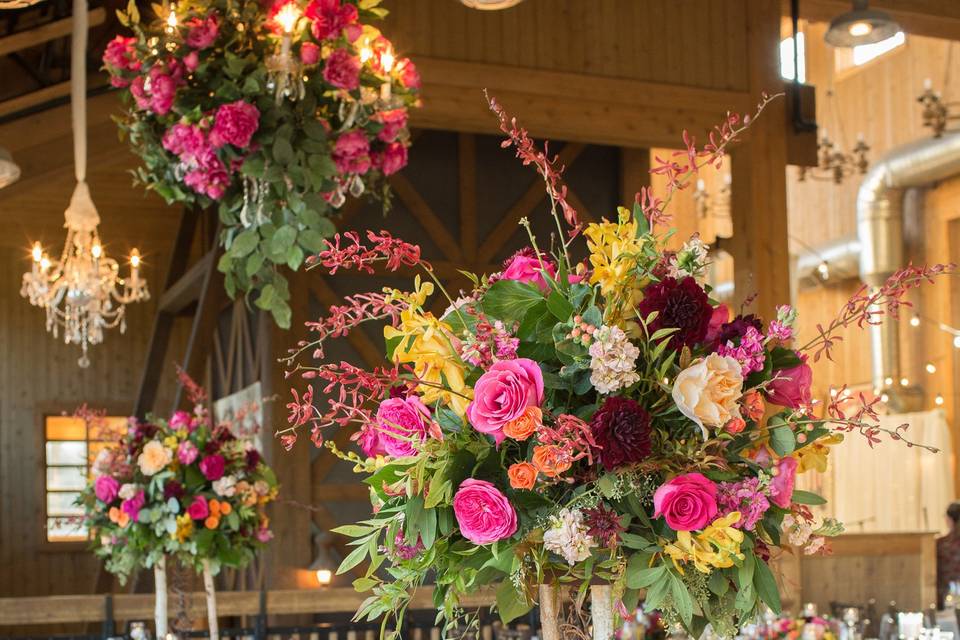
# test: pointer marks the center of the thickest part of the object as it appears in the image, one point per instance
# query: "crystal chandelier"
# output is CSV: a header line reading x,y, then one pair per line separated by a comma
x,y
82,292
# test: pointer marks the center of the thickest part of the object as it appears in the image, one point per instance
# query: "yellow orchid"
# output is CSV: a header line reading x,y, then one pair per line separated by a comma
x,y
608,243
814,456
714,547
170,442
184,528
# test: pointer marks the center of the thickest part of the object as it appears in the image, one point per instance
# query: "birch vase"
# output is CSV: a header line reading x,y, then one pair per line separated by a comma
x,y
160,604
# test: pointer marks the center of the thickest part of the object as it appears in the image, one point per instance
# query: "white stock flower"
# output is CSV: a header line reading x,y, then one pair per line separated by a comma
x,y
568,537
225,486
127,491
613,360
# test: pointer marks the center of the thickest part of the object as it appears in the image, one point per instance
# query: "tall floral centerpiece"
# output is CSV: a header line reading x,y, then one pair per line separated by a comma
x,y
183,488
604,426
271,111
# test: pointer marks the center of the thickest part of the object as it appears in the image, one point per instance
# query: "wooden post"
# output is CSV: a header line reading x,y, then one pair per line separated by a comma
x,y
210,592
550,612
759,192
634,173
160,598
601,611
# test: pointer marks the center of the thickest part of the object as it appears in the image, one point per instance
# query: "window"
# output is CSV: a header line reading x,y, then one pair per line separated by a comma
x,y
867,52
786,58
71,444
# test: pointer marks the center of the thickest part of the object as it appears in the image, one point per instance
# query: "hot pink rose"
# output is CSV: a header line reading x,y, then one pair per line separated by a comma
x,y
525,266
181,420
202,32
720,316
391,159
161,89
351,153
408,74
132,506
187,452
342,70
121,54
212,467
402,423
309,53
191,61
198,509
106,488
329,17
502,393
371,442
394,122
781,486
791,387
209,175
483,513
687,502
186,141
235,123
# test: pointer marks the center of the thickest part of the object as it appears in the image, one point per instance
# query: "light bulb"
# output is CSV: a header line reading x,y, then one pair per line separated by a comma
x,y
938,400
956,342
96,250
37,252
888,381
824,270
915,321
324,577
904,382
931,368
287,16
884,398
858,29
365,53
386,60
44,263
172,18
135,258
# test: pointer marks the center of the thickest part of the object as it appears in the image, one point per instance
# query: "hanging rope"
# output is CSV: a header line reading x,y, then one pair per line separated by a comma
x,y
81,214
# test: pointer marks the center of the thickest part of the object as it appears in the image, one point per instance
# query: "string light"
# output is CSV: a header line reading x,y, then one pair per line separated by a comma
x,y
888,381
938,400
956,342
904,382
824,270
915,321
884,398
931,368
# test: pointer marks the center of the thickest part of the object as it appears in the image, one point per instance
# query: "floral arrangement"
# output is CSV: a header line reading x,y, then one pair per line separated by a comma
x,y
570,423
180,487
272,112
790,628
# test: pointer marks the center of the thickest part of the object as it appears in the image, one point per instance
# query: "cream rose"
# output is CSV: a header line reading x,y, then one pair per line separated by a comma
x,y
707,391
154,458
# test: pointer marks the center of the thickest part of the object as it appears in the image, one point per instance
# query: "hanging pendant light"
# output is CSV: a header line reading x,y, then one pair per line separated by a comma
x,y
861,25
490,5
82,292
9,170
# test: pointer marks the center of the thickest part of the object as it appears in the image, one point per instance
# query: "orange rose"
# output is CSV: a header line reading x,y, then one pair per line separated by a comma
x,y
523,475
753,406
735,425
551,460
225,508
524,425
212,522
119,517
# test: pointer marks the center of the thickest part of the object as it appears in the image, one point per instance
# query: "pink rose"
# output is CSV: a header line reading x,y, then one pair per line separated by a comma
x,y
391,159
235,123
209,175
351,153
181,420
264,534
791,387
212,467
186,141
309,53
121,54
371,442
525,266
132,506
202,32
198,509
409,76
483,513
162,89
400,421
139,93
687,502
191,61
187,452
719,317
342,70
502,393
106,488
781,486
329,17
394,122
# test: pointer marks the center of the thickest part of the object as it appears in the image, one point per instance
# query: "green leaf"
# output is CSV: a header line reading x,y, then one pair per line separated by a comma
x,y
283,240
354,558
745,574
807,497
782,439
766,586
244,243
353,530
559,306
607,484
784,358
509,300
639,578
282,151
681,599
718,583
511,603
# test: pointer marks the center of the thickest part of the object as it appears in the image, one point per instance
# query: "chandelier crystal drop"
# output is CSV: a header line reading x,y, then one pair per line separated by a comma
x,y
82,292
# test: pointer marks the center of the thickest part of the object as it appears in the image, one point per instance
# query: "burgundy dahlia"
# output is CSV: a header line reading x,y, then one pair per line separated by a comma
x,y
252,459
682,304
621,430
603,524
172,489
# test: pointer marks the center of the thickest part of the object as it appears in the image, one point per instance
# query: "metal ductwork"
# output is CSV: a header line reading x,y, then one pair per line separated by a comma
x,y
880,229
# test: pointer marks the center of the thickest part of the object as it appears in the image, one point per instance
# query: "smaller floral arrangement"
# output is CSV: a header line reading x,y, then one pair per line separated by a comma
x,y
182,487
270,111
789,628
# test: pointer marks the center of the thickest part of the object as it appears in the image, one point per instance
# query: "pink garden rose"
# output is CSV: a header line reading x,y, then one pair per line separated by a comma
x,y
370,442
391,159
208,176
186,141
198,509
235,123
181,420
791,387
309,53
329,17
687,502
202,32
187,452
483,513
502,393
342,70
525,266
213,466
106,488
132,506
121,54
409,76
781,486
400,420
191,61
394,122
351,153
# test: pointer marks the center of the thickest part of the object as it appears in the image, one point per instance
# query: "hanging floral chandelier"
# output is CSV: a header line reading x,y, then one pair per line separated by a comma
x,y
82,292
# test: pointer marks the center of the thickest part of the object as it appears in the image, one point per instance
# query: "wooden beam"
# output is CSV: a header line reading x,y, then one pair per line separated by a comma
x,y
47,32
933,18
634,173
467,163
343,492
186,290
568,106
32,99
431,223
